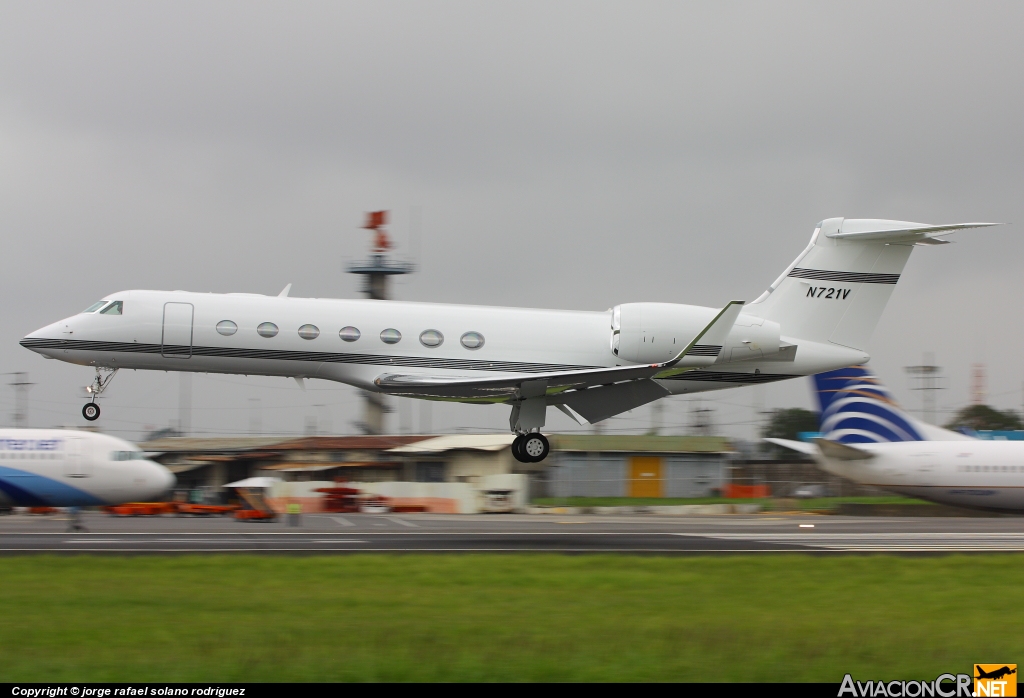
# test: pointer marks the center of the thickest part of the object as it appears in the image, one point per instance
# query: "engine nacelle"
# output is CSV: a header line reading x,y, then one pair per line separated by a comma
x,y
656,332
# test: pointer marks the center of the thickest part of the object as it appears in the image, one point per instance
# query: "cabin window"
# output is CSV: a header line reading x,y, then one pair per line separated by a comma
x,y
114,308
472,340
431,338
95,306
309,331
391,336
267,329
349,334
226,328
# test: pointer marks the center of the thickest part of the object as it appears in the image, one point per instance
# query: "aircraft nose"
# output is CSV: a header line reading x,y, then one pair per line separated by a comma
x,y
163,478
44,335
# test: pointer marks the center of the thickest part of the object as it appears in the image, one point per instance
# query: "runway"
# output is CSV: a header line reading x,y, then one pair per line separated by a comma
x,y
336,533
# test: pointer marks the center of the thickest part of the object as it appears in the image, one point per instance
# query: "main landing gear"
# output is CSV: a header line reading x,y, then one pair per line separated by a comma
x,y
526,420
91,411
531,448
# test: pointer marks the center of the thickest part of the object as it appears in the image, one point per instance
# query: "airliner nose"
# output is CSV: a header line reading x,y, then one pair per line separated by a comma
x,y
163,478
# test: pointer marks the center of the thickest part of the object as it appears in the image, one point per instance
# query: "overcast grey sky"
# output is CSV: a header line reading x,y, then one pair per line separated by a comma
x,y
561,154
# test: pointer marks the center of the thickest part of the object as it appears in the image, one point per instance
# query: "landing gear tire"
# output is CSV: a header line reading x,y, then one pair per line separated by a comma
x,y
534,447
517,449
91,411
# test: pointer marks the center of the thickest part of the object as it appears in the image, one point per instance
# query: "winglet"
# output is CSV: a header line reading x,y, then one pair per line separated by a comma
x,y
716,331
284,293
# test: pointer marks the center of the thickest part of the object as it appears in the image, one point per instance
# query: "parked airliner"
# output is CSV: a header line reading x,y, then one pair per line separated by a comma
x,y
817,316
61,468
867,438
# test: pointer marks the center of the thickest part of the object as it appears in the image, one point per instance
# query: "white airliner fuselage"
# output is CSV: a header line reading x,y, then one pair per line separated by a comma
x,y
970,473
62,468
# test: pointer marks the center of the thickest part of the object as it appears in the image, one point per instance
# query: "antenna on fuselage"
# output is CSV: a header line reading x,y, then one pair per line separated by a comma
x,y
376,272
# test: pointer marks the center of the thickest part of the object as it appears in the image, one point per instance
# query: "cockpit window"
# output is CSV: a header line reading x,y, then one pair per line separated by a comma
x,y
95,306
114,308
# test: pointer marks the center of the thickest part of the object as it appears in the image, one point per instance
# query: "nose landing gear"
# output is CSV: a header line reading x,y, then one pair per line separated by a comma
x,y
530,448
91,411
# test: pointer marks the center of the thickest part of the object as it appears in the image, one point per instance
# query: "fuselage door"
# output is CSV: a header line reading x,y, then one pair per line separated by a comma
x,y
177,334
76,461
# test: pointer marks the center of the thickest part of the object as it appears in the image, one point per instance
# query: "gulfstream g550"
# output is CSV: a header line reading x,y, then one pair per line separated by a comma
x,y
817,316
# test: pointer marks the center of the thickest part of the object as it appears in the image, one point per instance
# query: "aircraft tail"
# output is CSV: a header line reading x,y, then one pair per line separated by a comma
x,y
836,290
857,408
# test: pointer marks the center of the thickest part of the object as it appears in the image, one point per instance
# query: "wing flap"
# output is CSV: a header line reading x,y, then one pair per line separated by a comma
x,y
598,404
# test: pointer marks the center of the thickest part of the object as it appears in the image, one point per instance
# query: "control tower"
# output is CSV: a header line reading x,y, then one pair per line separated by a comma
x,y
378,269
376,272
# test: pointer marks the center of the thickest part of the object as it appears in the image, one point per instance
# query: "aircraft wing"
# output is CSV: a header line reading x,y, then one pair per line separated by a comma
x,y
559,386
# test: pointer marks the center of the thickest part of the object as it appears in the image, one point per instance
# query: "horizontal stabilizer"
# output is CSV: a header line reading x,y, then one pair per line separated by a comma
x,y
841,451
798,446
898,231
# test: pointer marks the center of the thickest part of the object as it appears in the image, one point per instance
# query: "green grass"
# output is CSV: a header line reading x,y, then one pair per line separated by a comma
x,y
505,617
768,503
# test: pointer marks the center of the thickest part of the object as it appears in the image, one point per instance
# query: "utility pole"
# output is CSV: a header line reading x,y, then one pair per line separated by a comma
x,y
759,413
21,385
927,378
978,384
700,419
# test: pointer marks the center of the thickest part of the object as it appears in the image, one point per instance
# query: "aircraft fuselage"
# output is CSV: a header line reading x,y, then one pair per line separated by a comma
x,y
316,338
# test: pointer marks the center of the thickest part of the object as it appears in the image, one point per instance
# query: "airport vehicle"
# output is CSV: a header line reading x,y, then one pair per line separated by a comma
x,y
868,438
61,468
817,316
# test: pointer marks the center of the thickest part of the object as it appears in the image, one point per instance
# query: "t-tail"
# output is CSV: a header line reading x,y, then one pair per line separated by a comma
x,y
836,290
855,408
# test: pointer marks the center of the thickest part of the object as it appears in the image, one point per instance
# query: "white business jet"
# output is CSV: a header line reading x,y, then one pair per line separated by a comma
x,y
59,468
867,438
817,316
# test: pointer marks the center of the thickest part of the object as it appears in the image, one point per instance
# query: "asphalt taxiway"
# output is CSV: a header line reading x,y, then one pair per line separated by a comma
x,y
320,533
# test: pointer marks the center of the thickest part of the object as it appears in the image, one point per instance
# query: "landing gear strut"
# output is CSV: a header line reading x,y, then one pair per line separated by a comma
x,y
91,411
526,420
531,448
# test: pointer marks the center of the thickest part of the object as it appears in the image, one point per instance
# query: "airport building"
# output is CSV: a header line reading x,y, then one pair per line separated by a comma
x,y
580,465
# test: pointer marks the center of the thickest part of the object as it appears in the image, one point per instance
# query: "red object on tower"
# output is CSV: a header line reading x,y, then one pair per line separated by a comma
x,y
375,221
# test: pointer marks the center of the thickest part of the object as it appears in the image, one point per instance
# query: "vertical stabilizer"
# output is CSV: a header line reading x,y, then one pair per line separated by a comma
x,y
836,290
857,408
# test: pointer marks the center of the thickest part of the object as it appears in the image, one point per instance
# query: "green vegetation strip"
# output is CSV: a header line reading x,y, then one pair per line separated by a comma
x,y
505,617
